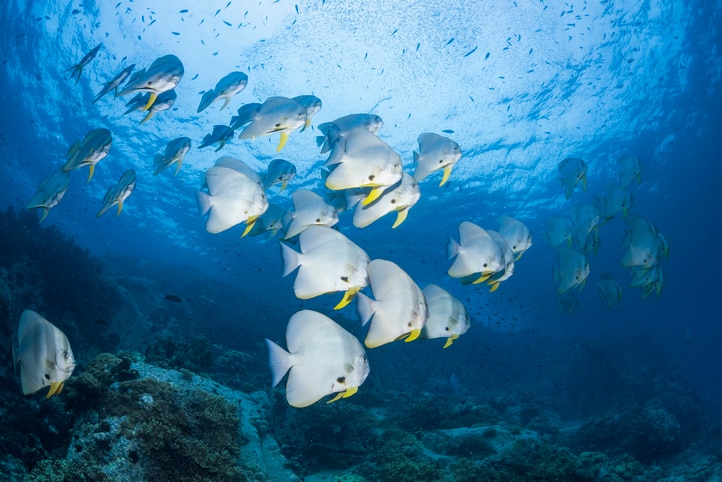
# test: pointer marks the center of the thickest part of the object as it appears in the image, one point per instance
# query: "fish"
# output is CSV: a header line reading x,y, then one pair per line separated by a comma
x,y
496,278
361,159
586,219
175,151
400,198
225,89
515,233
114,83
279,171
173,298
221,134
162,102
276,114
77,69
614,200
398,309
93,149
240,166
476,254
642,243
435,153
609,291
328,262
49,193
339,128
232,198
572,170
629,168
117,194
309,209
567,302
271,221
448,317
311,105
43,355
163,75
570,270
559,230
138,102
322,359
246,112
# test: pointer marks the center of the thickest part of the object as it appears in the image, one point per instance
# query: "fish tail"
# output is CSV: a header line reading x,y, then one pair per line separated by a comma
x,y
452,248
204,202
278,361
365,307
290,259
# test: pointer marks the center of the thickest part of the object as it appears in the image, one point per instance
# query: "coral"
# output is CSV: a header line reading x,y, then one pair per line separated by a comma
x,y
398,457
589,465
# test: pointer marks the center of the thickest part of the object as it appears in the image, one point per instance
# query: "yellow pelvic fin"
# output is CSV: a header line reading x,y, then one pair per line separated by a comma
x,y
283,185
43,214
400,217
494,287
518,256
338,396
373,195
249,225
445,177
90,174
153,96
55,388
120,208
307,124
584,183
347,297
481,279
450,340
282,141
225,104
147,117
180,161
413,335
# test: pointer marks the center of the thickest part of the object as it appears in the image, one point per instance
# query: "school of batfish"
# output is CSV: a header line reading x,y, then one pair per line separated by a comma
x,y
364,174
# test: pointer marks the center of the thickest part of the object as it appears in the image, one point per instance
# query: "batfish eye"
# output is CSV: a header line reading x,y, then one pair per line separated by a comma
x,y
66,355
440,161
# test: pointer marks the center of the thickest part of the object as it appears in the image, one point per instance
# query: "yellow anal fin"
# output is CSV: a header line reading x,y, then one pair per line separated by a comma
x,y
55,388
494,287
282,141
347,297
400,217
249,225
90,174
450,340
481,279
153,96
373,195
413,335
445,177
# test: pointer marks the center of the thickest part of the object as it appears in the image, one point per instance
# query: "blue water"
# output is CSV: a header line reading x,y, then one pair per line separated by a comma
x,y
520,85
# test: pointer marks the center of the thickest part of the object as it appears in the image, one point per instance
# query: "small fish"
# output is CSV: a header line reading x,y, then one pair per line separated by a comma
x,y
338,130
221,134
245,115
225,89
559,230
585,218
175,151
270,221
232,198
471,51
43,355
117,194
311,104
435,153
163,75
363,160
328,262
173,298
276,114
49,193
614,200
322,358
309,209
77,69
571,270
572,170
629,168
400,198
448,317
398,309
609,291
279,171
89,152
477,255
162,102
516,234
114,83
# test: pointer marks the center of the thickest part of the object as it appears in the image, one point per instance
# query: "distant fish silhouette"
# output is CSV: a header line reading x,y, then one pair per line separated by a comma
x,y
173,298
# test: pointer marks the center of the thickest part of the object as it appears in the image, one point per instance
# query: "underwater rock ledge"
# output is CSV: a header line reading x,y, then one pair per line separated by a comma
x,y
136,421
